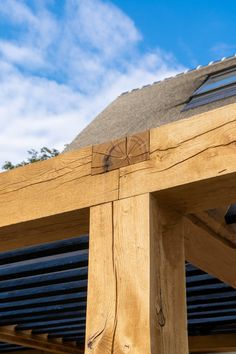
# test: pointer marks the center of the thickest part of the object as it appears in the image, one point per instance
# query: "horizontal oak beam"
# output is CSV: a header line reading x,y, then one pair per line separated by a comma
x,y
26,339
205,250
59,185
213,343
192,166
49,229
192,163
215,220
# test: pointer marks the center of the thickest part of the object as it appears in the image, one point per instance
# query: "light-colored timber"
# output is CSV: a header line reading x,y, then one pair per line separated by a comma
x,y
192,167
53,228
135,262
204,250
192,163
215,220
9,335
218,343
101,281
56,186
119,153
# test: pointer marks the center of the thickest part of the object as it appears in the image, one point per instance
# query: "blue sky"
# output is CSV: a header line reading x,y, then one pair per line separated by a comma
x,y
195,31
63,61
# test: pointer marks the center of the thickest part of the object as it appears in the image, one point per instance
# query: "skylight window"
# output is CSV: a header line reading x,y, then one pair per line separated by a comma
x,y
216,87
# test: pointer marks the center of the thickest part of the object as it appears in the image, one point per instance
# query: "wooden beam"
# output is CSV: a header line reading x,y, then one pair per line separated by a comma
x,y
59,185
135,262
192,167
218,343
215,220
205,250
192,163
26,339
119,153
49,229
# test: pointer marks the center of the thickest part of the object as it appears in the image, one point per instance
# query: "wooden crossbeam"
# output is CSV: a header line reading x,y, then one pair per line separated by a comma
x,y
215,220
48,229
192,163
192,166
39,342
60,185
205,250
218,343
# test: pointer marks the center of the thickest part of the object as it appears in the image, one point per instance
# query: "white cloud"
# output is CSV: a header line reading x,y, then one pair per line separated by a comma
x,y
20,55
60,70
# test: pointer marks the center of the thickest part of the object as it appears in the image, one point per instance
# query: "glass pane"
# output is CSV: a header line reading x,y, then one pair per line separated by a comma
x,y
217,81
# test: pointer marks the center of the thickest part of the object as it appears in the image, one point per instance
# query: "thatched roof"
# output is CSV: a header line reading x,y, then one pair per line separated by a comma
x,y
151,106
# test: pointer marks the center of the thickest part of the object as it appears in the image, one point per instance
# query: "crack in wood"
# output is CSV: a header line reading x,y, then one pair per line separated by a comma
x,y
193,137
46,181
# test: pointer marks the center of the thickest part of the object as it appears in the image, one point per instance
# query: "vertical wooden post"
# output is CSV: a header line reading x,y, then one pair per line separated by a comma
x,y
136,294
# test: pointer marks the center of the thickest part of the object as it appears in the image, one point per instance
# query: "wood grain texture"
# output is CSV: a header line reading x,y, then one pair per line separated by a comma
x,y
26,339
59,185
168,283
135,264
215,220
192,162
101,298
218,343
53,228
120,153
206,251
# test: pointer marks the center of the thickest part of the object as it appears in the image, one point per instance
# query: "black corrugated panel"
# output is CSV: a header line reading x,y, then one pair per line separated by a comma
x,y
44,288
46,292
211,304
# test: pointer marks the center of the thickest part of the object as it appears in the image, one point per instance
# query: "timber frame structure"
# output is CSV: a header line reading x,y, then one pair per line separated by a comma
x,y
143,200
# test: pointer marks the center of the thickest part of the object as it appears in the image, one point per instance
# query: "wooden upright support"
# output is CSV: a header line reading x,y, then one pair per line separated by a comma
x,y
136,291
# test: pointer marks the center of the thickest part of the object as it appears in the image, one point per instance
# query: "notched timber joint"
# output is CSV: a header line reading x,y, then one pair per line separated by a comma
x,y
120,153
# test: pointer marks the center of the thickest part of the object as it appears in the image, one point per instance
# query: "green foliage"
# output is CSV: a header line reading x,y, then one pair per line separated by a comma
x,y
34,156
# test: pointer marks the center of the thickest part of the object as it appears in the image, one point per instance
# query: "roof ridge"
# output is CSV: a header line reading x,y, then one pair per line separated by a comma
x,y
180,74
